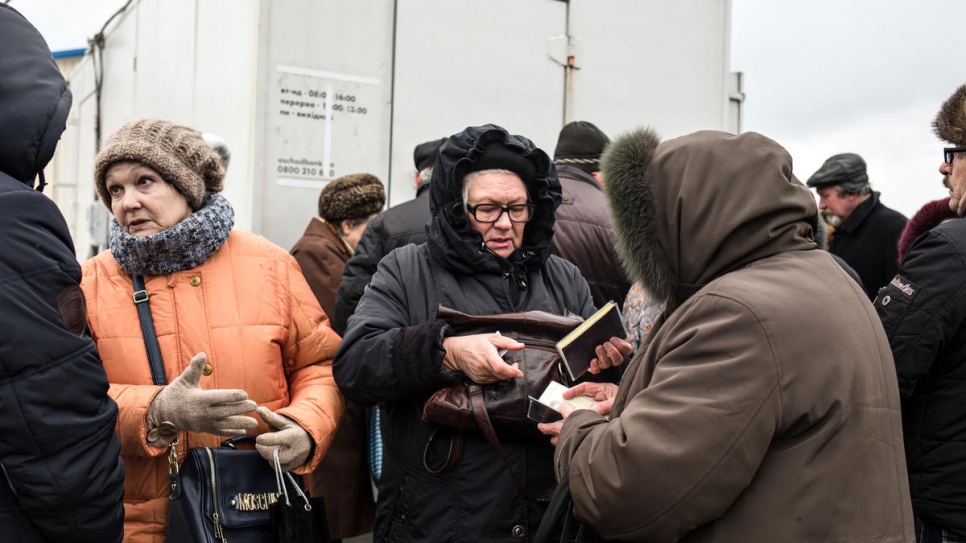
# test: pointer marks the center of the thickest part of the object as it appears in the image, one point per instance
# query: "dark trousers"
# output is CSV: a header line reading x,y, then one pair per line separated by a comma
x,y
927,533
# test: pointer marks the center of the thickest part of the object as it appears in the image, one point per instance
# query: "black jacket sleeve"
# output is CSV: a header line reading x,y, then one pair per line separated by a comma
x,y
393,349
358,273
924,305
58,449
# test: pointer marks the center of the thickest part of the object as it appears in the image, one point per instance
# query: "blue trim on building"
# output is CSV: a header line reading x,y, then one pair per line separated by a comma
x,y
69,53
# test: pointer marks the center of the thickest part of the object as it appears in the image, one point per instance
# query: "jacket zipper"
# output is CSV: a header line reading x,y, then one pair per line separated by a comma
x,y
214,498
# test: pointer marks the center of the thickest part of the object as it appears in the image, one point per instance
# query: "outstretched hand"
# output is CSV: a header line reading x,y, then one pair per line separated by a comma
x,y
478,357
184,406
602,393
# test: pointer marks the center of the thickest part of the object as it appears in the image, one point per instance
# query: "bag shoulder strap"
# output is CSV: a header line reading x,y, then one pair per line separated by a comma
x,y
147,330
483,420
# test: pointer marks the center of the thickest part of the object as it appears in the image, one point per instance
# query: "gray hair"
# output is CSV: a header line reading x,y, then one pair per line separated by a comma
x,y
473,175
841,190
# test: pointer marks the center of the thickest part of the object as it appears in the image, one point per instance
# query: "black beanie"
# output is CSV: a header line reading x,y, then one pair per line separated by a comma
x,y
580,145
497,156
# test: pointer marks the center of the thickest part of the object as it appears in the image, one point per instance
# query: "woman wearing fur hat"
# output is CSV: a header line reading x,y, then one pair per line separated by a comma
x,y
238,327
342,479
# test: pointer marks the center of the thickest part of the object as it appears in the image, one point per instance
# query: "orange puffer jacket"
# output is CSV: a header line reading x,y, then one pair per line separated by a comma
x,y
249,308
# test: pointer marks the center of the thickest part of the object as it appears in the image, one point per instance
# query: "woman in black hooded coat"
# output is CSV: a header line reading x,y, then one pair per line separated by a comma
x,y
393,349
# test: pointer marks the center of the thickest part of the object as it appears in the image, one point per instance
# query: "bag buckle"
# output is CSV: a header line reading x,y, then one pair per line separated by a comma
x,y
140,296
175,491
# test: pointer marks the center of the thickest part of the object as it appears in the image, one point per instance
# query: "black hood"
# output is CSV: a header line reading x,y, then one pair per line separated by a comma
x,y
34,99
452,240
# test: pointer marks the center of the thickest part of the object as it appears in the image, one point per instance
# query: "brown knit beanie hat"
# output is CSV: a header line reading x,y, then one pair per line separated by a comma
x,y
950,123
351,197
177,152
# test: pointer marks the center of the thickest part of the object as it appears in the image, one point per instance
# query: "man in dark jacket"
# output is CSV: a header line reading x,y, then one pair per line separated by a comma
x,y
923,310
398,226
60,471
492,198
583,233
866,233
737,423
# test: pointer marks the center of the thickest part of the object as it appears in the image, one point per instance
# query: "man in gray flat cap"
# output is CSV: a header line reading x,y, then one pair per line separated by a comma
x,y
865,233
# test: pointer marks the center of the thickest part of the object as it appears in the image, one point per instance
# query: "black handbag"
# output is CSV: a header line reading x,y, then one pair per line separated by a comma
x,y
228,494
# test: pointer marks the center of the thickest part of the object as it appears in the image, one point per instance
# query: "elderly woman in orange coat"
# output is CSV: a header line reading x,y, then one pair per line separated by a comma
x,y
237,325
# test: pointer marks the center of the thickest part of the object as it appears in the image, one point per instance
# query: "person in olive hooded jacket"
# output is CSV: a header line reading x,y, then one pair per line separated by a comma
x,y
743,420
60,470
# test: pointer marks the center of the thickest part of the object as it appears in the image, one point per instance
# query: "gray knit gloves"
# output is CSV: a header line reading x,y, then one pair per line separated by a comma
x,y
184,406
293,443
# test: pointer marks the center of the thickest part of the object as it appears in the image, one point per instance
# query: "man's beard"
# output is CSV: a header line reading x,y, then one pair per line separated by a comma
x,y
832,219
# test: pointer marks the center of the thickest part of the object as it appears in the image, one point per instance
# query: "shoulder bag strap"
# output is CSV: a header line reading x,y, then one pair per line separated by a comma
x,y
483,420
147,330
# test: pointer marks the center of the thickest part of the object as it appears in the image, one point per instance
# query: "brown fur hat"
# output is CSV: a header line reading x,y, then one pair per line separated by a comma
x,y
179,153
351,196
950,123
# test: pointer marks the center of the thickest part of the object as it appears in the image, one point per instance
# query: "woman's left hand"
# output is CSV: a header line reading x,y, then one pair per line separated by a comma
x,y
610,354
292,441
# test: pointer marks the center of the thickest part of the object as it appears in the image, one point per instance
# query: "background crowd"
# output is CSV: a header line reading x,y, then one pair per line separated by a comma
x,y
792,370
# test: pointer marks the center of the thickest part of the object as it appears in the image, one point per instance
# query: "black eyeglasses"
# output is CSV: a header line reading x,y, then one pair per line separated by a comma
x,y
949,152
493,212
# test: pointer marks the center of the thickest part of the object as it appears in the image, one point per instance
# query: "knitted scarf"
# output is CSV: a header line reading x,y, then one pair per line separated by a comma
x,y
185,245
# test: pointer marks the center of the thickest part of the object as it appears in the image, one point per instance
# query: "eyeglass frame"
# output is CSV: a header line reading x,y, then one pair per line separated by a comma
x,y
949,153
503,209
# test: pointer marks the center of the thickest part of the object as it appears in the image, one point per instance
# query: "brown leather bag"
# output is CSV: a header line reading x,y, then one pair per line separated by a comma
x,y
506,402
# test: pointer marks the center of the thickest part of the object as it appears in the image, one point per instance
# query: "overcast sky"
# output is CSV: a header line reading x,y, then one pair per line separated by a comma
x,y
821,77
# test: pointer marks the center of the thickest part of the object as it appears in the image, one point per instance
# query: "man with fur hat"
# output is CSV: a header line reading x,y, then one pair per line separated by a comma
x,y
60,470
923,311
865,232
583,234
398,226
346,206
737,423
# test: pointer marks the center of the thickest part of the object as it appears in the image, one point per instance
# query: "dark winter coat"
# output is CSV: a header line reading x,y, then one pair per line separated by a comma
x,y
923,310
392,353
583,235
60,469
396,227
738,422
868,241
342,478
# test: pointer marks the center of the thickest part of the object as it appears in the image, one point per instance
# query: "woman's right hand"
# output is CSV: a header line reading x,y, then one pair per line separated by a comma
x,y
602,393
478,357
184,406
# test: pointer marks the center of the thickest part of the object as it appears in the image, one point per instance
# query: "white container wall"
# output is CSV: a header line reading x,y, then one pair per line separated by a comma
x,y
308,90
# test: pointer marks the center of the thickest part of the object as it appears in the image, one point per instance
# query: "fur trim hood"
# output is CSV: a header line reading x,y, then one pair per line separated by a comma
x,y
692,209
950,123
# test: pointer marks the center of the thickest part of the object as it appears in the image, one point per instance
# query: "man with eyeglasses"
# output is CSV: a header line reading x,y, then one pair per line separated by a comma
x,y
923,311
492,198
865,233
